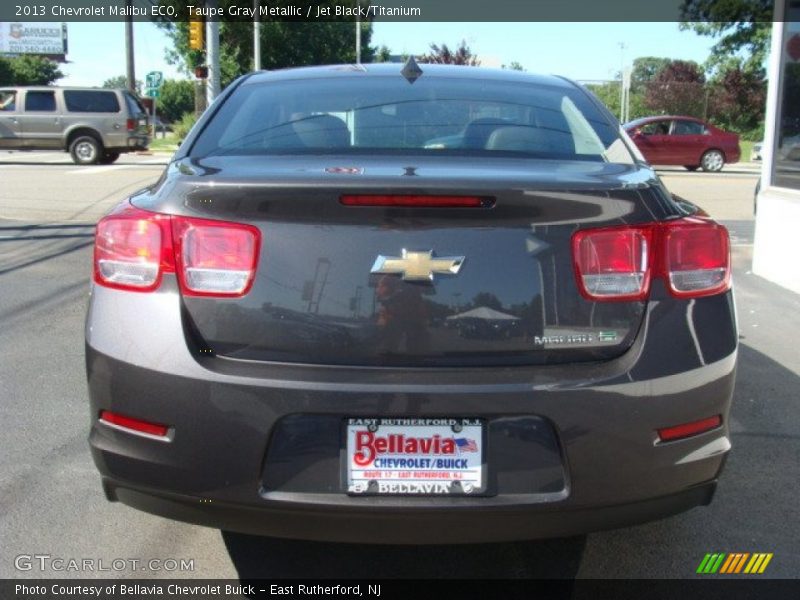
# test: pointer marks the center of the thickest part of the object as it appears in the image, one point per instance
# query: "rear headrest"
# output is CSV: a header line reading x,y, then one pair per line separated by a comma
x,y
477,132
322,131
530,139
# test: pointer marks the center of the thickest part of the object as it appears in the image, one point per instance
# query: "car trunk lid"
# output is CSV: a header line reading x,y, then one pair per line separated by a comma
x,y
411,286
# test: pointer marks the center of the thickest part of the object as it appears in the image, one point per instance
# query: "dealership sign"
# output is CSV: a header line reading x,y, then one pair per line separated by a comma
x,y
33,38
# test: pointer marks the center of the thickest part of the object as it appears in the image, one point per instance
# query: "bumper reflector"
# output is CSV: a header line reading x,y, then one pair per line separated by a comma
x,y
134,425
678,432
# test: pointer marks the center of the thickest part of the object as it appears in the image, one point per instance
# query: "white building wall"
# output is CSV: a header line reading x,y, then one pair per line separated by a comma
x,y
776,251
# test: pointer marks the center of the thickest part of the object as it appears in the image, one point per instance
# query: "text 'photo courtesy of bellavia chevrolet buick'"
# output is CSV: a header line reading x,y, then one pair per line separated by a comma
x,y
409,304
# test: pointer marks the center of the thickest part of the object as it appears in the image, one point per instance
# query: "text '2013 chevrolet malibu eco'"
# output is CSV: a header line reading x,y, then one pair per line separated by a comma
x,y
409,305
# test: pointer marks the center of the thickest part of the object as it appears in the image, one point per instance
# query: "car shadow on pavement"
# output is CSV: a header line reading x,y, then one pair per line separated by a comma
x,y
755,505
257,557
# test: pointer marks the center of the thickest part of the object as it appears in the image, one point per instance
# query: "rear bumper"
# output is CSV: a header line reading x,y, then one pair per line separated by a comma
x,y
227,466
130,144
137,143
351,524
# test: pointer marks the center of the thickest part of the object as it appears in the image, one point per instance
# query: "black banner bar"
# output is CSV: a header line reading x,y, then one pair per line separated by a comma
x,y
707,588
379,10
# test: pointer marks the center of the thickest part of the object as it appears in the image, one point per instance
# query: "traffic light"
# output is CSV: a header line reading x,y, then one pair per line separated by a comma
x,y
196,28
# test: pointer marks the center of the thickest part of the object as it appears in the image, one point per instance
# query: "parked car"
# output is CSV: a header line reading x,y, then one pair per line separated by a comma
x,y
684,141
94,125
788,149
274,340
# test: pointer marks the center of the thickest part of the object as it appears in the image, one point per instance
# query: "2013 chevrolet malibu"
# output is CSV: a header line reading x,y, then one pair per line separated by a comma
x,y
410,305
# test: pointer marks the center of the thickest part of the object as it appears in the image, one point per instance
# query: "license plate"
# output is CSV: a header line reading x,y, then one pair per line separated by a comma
x,y
415,456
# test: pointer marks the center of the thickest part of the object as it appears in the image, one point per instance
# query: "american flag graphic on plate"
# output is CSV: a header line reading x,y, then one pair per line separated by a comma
x,y
466,445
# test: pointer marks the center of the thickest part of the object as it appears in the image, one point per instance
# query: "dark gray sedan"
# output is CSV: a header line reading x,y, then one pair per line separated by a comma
x,y
324,322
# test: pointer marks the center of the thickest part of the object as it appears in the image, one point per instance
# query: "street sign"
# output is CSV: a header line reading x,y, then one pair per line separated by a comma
x,y
154,79
152,92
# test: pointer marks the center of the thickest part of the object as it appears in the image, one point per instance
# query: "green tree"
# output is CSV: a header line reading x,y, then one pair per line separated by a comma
x,y
678,88
646,68
177,98
6,72
31,69
382,54
462,55
513,66
608,93
738,101
741,26
283,44
121,82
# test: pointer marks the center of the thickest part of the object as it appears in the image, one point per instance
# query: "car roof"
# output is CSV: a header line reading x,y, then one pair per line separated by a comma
x,y
388,69
642,120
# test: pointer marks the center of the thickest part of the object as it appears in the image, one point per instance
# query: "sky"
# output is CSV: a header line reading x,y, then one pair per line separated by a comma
x,y
581,51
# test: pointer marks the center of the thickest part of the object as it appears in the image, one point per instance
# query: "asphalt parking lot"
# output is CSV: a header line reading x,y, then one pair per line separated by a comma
x,y
50,493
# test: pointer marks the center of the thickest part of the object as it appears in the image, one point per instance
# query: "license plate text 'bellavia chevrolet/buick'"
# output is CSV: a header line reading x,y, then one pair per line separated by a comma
x,y
420,304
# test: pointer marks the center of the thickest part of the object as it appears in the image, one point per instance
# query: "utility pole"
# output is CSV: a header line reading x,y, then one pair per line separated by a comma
x,y
358,36
256,38
130,72
212,54
621,81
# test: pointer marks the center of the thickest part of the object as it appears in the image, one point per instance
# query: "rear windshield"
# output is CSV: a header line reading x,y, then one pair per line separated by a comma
x,y
134,106
90,101
434,115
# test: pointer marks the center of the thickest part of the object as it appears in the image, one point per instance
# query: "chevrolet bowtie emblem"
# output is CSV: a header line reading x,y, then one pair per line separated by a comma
x,y
417,266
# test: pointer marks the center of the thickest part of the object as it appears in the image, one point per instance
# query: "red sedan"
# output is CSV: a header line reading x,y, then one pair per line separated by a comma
x,y
684,141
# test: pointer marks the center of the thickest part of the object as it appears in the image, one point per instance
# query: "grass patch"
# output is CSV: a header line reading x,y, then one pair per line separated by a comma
x,y
169,143
747,150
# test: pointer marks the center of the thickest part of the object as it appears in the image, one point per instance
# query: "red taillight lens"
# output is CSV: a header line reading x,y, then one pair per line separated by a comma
x,y
132,424
421,201
130,124
133,248
613,264
697,258
692,255
215,258
685,430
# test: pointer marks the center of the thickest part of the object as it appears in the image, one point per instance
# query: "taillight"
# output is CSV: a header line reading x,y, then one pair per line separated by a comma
x,y
215,258
692,255
130,124
697,258
134,248
614,263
